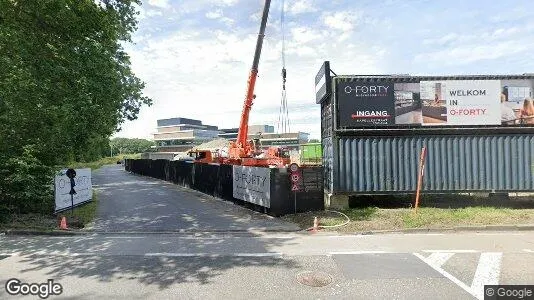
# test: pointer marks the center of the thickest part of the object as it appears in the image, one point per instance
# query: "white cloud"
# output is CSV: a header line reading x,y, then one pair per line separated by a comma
x,y
159,3
214,14
302,6
344,21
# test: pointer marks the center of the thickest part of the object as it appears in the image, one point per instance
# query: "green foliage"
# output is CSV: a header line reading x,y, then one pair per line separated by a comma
x,y
130,146
26,184
65,87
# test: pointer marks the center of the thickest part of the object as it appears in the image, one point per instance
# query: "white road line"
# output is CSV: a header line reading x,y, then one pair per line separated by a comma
x,y
446,274
528,250
422,234
124,237
213,255
358,252
498,233
438,259
347,236
487,273
451,251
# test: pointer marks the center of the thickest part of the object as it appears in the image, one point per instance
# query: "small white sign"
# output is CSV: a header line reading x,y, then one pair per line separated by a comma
x,y
83,188
252,184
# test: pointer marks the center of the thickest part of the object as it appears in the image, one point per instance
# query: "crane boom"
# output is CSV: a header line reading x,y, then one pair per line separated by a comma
x,y
249,98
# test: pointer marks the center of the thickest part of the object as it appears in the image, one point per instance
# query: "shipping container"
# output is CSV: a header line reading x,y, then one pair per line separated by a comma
x,y
476,128
310,154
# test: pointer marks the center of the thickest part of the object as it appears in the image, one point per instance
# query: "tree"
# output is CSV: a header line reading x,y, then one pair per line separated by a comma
x,y
131,146
65,81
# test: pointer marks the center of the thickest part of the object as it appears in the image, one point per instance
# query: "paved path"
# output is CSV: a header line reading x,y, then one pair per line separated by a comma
x,y
129,202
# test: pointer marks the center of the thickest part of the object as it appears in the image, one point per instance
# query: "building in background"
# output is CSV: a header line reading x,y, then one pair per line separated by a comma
x,y
182,134
268,137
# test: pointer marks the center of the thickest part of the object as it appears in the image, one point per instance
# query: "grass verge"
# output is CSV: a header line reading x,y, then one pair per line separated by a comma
x,y
84,214
372,218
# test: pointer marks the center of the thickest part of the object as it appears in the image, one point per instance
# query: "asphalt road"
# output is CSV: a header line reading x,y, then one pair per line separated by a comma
x,y
269,265
129,202
221,253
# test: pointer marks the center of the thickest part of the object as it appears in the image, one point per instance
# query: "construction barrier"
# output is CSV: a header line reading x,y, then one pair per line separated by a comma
x,y
217,180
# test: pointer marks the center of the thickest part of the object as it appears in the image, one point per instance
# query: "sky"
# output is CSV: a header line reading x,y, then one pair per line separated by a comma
x,y
195,55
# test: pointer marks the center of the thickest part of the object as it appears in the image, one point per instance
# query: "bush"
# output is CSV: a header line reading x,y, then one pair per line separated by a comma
x,y
26,184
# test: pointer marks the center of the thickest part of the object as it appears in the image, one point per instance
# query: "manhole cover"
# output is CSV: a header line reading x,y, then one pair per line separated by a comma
x,y
315,279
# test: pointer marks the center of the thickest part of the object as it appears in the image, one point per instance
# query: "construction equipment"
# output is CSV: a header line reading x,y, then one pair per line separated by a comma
x,y
242,151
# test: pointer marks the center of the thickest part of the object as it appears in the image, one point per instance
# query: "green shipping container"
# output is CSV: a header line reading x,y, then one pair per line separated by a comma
x,y
311,153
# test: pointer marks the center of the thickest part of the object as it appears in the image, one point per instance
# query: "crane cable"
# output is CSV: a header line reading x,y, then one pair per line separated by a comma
x,y
283,117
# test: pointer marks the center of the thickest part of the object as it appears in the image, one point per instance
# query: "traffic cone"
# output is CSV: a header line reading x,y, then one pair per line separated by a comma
x,y
63,224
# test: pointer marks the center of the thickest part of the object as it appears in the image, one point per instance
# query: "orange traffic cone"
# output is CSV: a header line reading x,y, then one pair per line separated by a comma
x,y
315,227
63,224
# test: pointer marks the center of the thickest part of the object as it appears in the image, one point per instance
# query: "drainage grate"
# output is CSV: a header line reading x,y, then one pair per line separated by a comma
x,y
314,279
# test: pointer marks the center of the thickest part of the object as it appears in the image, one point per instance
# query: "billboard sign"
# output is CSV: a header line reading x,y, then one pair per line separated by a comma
x,y
365,103
252,184
460,102
434,103
83,188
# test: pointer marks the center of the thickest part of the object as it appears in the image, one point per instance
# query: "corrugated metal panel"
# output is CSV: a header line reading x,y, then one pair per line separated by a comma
x,y
328,164
453,163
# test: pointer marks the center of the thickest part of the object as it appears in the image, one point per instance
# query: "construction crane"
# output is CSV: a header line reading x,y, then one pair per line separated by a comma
x,y
242,151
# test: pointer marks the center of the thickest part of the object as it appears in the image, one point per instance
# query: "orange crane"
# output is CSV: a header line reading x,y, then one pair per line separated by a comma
x,y
242,151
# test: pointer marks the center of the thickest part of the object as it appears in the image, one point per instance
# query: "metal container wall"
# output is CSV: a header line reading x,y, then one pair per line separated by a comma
x,y
453,163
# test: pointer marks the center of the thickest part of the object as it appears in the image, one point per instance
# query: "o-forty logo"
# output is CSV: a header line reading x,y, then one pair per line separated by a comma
x,y
252,179
467,93
366,90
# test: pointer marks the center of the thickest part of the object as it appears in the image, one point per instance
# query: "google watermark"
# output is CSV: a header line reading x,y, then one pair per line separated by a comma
x,y
44,290
522,292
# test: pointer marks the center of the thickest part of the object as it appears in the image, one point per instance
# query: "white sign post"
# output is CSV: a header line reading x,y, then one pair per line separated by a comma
x,y
252,184
83,188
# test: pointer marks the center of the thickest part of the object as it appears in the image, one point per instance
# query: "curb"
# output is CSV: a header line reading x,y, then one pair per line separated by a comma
x,y
77,232
43,232
521,227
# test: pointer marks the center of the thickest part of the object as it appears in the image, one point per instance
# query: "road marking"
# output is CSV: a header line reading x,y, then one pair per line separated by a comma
x,y
451,251
528,250
124,237
487,273
498,233
358,252
446,274
439,258
274,254
425,234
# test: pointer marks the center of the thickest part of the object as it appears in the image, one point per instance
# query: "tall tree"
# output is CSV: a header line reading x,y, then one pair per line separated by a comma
x,y
65,80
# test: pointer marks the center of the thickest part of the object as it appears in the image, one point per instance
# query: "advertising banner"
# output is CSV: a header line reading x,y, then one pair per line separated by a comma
x,y
460,102
83,188
252,184
435,103
365,103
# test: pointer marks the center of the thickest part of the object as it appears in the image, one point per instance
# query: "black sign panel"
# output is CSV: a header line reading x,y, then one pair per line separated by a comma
x,y
365,104
323,83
